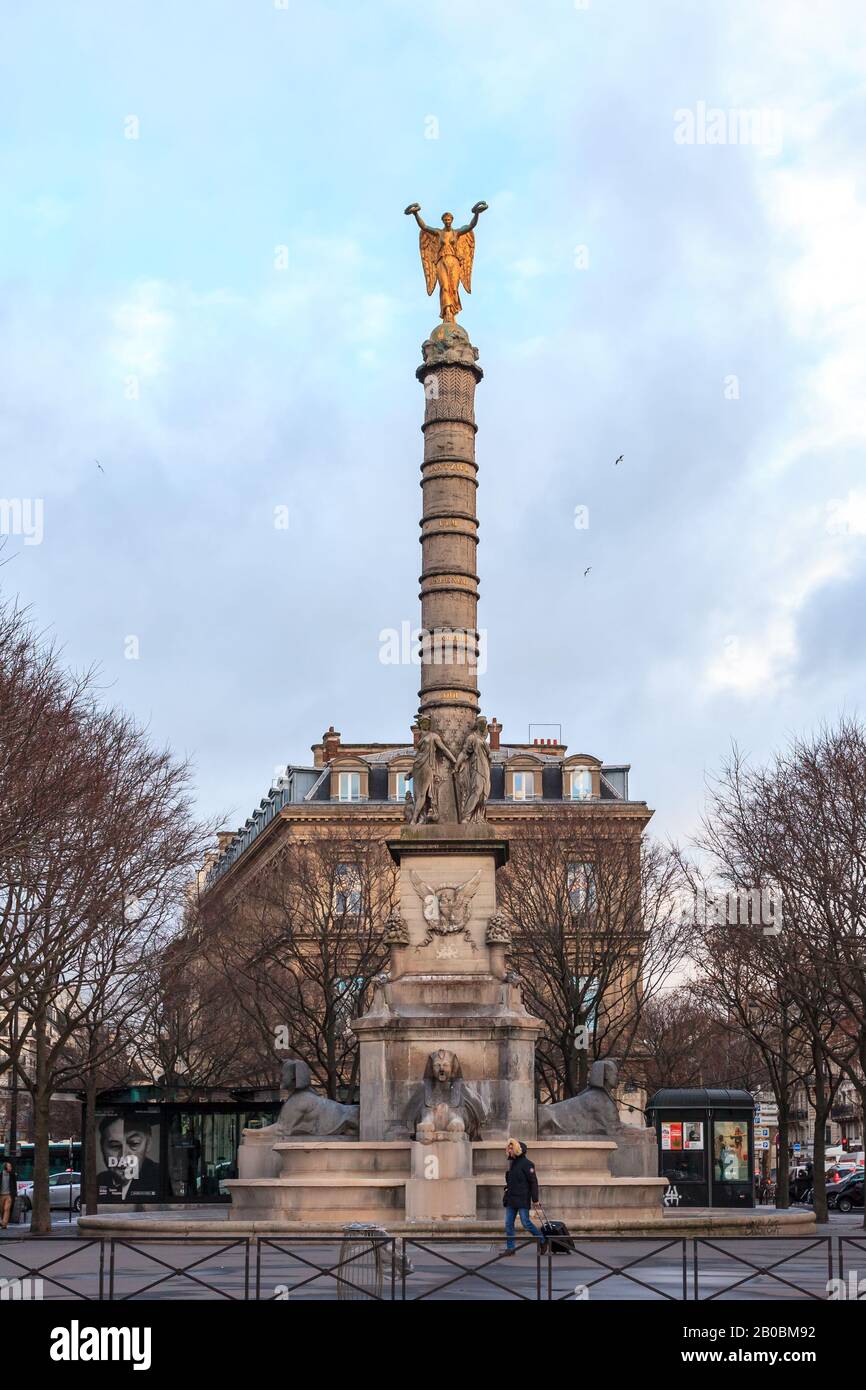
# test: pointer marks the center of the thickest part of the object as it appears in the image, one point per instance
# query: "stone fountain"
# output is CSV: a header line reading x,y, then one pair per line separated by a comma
x,y
447,1049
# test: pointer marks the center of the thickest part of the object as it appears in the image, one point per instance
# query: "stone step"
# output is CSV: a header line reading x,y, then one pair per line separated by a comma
x,y
578,1180
357,1159
565,1157
324,1199
571,1199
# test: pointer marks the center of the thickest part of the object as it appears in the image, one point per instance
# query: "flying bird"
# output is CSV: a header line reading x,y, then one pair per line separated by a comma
x,y
619,460
586,571
99,465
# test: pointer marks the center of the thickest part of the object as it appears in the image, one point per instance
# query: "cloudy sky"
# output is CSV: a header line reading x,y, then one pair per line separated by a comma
x,y
209,287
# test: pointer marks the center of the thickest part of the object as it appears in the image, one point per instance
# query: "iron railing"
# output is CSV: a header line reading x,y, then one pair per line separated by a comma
x,y
374,1265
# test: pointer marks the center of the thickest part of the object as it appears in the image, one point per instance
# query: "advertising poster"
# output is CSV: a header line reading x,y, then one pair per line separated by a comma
x,y
731,1151
672,1135
128,1149
694,1135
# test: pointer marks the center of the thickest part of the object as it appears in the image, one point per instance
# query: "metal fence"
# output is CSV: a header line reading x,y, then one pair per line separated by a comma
x,y
377,1266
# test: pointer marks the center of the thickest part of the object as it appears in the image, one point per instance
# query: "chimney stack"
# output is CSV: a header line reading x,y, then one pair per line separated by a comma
x,y
331,741
494,728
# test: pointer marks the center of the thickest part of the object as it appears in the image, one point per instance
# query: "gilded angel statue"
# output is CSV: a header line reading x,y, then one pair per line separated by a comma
x,y
446,255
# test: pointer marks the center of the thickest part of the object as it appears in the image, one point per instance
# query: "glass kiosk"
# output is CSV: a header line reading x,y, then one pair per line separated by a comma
x,y
705,1146
162,1144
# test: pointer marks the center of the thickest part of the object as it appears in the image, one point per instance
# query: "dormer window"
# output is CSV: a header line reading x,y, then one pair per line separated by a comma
x,y
523,778
350,779
524,786
349,786
580,784
400,777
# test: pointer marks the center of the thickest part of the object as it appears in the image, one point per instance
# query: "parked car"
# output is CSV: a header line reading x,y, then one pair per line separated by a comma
x,y
835,1178
63,1189
848,1194
839,1172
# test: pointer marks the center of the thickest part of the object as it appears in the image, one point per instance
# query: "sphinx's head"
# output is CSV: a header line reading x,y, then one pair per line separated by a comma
x,y
442,1066
604,1074
295,1075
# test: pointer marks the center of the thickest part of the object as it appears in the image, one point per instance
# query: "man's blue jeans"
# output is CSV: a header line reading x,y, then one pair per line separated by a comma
x,y
511,1214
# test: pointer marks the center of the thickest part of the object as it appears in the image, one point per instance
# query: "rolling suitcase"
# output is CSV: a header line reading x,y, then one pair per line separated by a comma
x,y
556,1234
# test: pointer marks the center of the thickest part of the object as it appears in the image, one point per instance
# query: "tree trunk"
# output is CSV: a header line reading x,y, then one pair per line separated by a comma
x,y
582,1069
572,1058
861,1092
12,1147
90,1191
819,1167
783,1186
40,1218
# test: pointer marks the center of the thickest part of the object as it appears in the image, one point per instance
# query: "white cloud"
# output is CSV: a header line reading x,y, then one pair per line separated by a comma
x,y
143,325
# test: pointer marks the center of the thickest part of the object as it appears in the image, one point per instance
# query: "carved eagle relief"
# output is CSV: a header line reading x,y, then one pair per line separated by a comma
x,y
446,909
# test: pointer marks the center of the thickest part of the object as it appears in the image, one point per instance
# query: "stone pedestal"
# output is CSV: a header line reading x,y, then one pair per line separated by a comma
x,y
448,989
441,1187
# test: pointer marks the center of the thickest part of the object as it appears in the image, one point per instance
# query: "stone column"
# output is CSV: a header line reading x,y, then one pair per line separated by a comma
x,y
449,539
441,1187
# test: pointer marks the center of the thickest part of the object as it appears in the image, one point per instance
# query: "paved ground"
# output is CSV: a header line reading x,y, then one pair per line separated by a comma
x,y
300,1269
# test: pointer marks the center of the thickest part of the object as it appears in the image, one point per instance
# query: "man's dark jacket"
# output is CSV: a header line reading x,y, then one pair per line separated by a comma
x,y
521,1183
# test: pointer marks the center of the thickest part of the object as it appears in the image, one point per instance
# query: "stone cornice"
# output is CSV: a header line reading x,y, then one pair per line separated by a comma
x,y
388,816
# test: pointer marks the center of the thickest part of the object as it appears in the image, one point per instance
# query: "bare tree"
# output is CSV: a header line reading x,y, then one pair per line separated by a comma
x,y
300,950
42,778
799,826
191,1030
86,892
688,1041
595,938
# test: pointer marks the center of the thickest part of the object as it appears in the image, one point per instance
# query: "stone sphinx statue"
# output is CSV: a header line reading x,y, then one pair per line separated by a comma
x,y
592,1112
444,1105
305,1112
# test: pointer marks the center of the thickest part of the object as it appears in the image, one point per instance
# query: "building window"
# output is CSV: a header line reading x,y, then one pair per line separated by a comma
x,y
347,890
580,784
350,995
587,1001
349,786
402,785
581,887
524,786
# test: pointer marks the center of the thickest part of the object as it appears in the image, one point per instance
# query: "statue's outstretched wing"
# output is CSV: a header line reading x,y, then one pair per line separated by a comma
x,y
466,892
429,243
421,888
465,248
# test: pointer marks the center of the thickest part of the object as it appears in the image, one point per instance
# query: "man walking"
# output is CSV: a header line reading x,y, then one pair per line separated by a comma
x,y
8,1192
521,1192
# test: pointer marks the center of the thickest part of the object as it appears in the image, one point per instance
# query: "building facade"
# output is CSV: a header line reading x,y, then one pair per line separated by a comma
x,y
364,789
366,785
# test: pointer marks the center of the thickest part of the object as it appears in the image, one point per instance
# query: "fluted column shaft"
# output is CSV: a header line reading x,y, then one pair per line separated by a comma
x,y
449,691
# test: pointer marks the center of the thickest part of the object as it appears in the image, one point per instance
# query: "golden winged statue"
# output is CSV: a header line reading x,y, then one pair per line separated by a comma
x,y
446,255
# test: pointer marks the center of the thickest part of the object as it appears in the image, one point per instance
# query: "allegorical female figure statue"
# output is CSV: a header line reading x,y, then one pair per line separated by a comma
x,y
472,773
446,255
425,772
